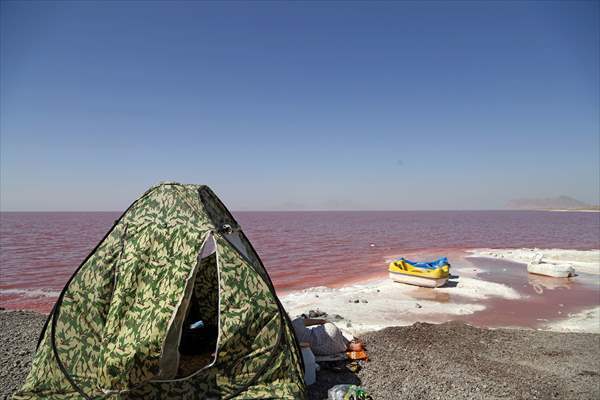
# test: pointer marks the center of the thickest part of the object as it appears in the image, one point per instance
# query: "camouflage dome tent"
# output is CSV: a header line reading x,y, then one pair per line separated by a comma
x,y
118,328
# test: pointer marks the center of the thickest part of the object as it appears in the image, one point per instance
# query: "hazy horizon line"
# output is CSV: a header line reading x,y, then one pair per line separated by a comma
x,y
312,210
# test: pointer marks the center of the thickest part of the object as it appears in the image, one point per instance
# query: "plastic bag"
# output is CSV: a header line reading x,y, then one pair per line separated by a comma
x,y
337,392
347,392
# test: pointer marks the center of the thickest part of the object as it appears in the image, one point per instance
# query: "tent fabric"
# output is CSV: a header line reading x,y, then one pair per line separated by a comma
x,y
113,331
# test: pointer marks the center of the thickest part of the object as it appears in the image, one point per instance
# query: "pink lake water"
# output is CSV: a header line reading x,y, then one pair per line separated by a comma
x,y
40,251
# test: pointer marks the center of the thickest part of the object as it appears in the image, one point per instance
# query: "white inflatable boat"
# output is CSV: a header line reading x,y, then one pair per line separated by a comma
x,y
539,267
553,270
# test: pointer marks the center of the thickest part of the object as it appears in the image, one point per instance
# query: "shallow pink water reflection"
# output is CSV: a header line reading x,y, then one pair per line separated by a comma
x,y
39,251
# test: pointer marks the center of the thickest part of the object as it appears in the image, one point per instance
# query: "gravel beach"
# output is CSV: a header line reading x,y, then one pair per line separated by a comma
x,y
422,361
19,332
458,361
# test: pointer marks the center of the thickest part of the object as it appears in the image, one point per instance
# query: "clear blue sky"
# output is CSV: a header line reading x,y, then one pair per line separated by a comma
x,y
292,105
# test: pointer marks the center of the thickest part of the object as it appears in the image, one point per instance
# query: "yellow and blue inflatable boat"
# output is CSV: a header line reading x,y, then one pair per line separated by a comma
x,y
427,274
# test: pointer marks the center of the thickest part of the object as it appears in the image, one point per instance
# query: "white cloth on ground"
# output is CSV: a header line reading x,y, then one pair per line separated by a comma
x,y
324,339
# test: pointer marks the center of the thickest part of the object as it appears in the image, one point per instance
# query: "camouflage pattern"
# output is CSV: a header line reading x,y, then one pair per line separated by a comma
x,y
112,323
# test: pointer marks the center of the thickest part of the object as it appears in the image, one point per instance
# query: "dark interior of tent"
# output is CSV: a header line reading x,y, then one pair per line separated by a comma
x,y
199,332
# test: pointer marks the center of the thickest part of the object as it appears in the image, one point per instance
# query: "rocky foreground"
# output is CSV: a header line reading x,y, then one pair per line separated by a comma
x,y
458,361
19,332
422,361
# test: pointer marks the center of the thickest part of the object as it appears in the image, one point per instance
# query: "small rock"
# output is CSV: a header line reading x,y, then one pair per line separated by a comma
x,y
417,305
316,314
356,301
364,301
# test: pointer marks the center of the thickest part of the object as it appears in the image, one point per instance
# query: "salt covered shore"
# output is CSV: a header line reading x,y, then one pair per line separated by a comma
x,y
381,303
584,261
585,321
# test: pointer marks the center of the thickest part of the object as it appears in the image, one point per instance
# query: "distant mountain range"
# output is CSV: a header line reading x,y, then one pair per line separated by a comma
x,y
552,203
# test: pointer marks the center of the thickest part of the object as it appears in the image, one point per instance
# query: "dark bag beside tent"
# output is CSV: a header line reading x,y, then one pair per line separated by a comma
x,y
122,327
